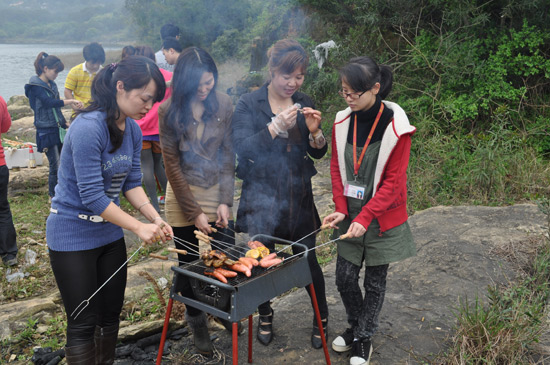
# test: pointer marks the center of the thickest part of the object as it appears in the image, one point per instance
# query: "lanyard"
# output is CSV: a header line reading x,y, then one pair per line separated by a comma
x,y
357,164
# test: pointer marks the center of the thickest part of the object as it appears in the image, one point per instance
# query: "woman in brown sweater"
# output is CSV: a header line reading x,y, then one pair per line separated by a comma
x,y
196,139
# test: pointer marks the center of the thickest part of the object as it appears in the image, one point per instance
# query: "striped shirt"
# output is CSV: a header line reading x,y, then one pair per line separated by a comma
x,y
79,81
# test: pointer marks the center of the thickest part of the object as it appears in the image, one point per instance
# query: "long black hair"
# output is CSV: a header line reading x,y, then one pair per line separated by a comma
x,y
45,60
135,72
362,73
192,63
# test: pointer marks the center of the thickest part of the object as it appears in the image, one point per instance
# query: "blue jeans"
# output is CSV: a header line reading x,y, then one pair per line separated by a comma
x,y
53,159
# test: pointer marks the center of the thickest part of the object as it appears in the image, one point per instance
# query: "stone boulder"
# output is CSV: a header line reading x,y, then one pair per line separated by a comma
x,y
18,107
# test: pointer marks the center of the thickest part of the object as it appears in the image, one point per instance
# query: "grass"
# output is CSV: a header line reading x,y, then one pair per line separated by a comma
x,y
505,328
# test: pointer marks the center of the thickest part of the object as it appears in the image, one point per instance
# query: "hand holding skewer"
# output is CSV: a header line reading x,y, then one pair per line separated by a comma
x,y
355,229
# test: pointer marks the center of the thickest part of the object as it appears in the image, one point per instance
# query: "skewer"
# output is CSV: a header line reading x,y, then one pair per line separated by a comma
x,y
183,252
86,302
344,236
167,258
188,245
208,239
225,234
324,226
226,248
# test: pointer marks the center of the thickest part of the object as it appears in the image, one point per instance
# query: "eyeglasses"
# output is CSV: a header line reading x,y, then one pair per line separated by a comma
x,y
353,96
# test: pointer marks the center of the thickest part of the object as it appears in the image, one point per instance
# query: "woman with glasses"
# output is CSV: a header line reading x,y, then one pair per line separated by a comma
x,y
275,139
371,142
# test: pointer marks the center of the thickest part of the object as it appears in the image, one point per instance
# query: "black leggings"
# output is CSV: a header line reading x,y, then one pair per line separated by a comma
x,y
78,275
186,234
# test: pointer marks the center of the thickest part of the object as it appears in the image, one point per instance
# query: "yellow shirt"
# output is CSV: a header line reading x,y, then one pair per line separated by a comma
x,y
79,80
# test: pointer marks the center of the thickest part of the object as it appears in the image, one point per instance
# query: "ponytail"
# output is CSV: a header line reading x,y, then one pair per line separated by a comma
x,y
45,60
362,73
386,81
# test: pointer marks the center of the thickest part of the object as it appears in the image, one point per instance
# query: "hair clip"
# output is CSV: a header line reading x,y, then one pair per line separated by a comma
x,y
113,66
44,55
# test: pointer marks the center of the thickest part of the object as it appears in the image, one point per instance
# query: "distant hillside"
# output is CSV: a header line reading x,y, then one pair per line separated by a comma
x,y
25,21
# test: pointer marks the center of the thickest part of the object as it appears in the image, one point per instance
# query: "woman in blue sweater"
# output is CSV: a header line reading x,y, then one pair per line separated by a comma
x,y
44,100
100,160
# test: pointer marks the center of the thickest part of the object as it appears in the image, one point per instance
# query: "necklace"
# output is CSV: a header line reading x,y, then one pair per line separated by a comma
x,y
277,106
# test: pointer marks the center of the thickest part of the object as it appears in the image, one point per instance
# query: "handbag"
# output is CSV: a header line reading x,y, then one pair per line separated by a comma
x,y
62,131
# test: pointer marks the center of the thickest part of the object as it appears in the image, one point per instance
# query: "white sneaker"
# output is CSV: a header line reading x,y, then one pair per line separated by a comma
x,y
360,352
343,342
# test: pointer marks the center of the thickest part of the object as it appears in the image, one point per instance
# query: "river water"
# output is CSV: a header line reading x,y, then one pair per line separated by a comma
x,y
17,65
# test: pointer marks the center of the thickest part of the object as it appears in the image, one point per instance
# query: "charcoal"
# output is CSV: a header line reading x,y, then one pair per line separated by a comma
x,y
125,350
139,355
147,341
179,333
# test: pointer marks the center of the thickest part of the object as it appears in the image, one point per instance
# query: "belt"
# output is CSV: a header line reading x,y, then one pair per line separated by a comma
x,y
91,218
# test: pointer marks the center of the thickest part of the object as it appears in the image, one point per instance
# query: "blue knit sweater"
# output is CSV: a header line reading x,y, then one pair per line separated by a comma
x,y
89,179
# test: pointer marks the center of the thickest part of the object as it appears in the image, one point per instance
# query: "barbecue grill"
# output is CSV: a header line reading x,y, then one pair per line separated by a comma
x,y
240,297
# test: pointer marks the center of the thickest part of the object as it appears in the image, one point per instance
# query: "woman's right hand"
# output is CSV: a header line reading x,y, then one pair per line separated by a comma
x,y
150,233
285,119
333,219
77,104
201,222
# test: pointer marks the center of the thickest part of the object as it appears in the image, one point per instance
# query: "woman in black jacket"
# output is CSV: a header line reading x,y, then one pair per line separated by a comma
x,y
48,119
274,139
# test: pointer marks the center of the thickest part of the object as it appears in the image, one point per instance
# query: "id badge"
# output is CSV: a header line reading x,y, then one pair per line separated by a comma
x,y
354,191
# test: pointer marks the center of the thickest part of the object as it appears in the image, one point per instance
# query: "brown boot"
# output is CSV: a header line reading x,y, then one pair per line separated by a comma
x,y
105,343
200,333
81,354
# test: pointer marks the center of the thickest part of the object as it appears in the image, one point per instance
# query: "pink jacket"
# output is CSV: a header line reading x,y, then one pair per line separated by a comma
x,y
5,124
149,124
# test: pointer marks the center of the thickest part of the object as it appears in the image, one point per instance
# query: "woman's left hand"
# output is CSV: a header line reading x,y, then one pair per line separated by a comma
x,y
223,216
355,230
313,119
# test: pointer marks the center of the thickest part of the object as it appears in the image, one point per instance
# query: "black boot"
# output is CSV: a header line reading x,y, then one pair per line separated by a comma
x,y
265,328
105,342
200,333
316,340
81,354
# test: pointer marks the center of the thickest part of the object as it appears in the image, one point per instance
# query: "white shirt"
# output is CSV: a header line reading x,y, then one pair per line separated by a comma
x,y
161,61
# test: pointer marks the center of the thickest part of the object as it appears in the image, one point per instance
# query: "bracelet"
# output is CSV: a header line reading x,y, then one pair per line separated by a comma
x,y
142,205
159,217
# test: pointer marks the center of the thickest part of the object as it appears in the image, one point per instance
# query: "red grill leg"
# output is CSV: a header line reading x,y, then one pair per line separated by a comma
x,y
319,322
250,339
165,330
235,334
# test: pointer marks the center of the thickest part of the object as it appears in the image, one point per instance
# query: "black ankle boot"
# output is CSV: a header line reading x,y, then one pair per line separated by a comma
x,y
200,333
105,343
265,328
81,354
316,340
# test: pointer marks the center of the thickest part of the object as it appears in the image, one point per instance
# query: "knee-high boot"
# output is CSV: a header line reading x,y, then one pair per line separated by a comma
x,y
81,354
105,343
200,333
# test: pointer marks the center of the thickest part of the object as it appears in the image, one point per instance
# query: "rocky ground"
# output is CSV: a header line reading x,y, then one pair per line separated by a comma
x,y
461,251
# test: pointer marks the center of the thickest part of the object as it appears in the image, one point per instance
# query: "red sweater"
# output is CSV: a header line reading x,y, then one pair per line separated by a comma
x,y
389,201
5,124
149,124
